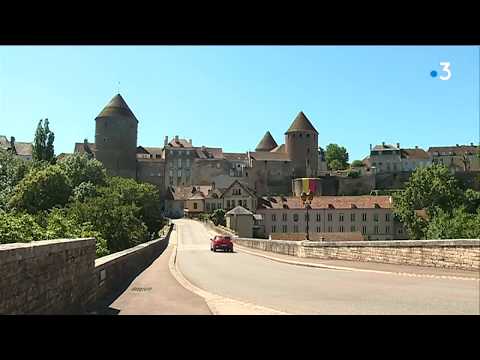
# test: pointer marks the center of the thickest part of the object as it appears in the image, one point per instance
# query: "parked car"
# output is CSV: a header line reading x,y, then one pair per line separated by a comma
x,y
221,242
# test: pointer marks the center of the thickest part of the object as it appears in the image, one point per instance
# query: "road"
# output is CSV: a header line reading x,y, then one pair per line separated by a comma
x,y
303,290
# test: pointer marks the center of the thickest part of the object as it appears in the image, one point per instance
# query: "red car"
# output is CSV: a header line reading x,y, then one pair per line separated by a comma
x,y
221,242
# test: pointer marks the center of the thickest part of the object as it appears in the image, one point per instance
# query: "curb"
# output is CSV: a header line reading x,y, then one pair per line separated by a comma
x,y
330,267
215,303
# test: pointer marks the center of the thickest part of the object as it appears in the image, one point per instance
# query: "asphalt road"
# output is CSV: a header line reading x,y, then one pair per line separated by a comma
x,y
302,290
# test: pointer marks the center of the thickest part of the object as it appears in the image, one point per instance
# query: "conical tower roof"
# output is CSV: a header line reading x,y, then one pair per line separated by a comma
x,y
117,106
267,143
301,123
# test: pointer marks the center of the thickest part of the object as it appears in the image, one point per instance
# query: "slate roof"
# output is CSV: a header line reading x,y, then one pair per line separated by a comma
x,y
325,202
267,143
23,148
415,154
454,150
82,148
117,106
301,123
239,210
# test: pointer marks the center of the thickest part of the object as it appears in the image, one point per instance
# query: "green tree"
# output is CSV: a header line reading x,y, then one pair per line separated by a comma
x,y
357,163
19,227
12,171
43,149
79,168
336,157
218,217
41,190
432,188
458,224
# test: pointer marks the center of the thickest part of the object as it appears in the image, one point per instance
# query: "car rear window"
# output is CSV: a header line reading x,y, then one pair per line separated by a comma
x,y
226,238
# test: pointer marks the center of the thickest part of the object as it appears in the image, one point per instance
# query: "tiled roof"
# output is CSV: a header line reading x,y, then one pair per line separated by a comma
x,y
414,154
269,156
197,196
267,143
384,147
239,210
242,185
82,149
209,153
23,148
117,106
183,143
325,202
279,149
186,192
155,151
456,150
235,156
301,123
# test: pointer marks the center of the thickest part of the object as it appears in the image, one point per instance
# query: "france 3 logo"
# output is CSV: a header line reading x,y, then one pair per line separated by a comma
x,y
445,68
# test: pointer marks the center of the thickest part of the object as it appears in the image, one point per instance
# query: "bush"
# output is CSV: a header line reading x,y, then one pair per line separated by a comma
x,y
218,217
12,171
41,190
19,227
78,169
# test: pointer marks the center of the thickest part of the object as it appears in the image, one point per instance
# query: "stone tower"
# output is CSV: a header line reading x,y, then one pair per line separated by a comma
x,y
301,145
116,138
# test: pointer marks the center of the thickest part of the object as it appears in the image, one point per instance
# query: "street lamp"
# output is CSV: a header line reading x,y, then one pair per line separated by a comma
x,y
307,200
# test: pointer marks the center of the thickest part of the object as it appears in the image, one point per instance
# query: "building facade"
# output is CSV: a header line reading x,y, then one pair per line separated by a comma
x,y
387,158
459,158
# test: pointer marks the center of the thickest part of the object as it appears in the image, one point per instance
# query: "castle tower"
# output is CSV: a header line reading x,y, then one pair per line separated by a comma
x,y
267,143
116,138
301,145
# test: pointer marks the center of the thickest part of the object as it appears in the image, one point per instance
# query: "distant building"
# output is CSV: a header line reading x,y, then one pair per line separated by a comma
x,y
370,216
459,158
241,221
387,158
23,150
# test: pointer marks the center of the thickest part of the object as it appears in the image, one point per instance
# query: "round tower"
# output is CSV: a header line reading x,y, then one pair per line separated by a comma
x,y
116,138
301,145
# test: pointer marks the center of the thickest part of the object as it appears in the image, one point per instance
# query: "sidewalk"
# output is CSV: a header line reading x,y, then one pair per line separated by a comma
x,y
156,292
408,270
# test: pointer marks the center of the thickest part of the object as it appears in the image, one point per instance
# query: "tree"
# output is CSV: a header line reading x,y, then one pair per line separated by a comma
x,y
79,168
357,163
336,157
456,225
19,228
41,190
12,171
218,217
431,189
43,149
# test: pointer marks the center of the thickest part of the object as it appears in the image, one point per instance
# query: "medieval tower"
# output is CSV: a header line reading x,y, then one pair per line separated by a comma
x,y
116,138
301,145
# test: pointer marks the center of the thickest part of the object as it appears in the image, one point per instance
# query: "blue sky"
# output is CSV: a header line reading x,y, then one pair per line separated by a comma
x,y
229,96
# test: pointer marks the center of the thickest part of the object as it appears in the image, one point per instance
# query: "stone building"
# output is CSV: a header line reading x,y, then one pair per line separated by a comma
x,y
371,216
241,221
459,158
387,158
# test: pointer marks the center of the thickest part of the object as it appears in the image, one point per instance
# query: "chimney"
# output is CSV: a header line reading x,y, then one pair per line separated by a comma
x,y
458,145
85,141
165,142
416,146
12,141
398,145
370,147
383,143
471,144
176,137
190,141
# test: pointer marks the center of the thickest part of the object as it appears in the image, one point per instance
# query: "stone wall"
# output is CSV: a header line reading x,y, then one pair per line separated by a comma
x,y
52,276
63,276
454,254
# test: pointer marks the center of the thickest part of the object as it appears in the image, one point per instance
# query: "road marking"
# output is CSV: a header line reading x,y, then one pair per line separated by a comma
x,y
218,305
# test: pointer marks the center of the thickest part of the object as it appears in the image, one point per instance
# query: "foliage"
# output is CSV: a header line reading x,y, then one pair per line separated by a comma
x,y
456,225
41,190
43,149
353,174
19,227
12,171
218,217
433,189
336,157
83,191
79,168
472,200
357,163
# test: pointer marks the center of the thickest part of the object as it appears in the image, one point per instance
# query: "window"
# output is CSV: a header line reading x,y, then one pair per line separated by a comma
x,y
329,217
375,217
213,206
274,217
352,228
308,135
364,217
228,203
319,229
179,173
244,203
179,163
329,229
187,163
387,217
284,217
295,217
364,229
352,217
208,206
274,228
318,217
400,231
340,217
194,205
341,228
376,229
284,228
295,228
387,229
